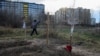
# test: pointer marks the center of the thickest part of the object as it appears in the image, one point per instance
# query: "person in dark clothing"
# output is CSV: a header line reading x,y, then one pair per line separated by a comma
x,y
34,27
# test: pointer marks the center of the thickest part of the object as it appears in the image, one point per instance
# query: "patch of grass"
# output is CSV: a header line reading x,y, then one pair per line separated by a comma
x,y
87,38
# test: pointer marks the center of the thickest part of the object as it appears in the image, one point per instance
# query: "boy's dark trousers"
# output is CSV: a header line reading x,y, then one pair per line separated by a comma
x,y
34,30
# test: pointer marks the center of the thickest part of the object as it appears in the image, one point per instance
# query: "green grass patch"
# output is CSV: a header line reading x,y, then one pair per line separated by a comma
x,y
89,39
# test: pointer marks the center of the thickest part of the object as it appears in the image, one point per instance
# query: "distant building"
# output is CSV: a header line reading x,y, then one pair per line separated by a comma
x,y
93,21
5,0
61,16
36,11
84,16
20,9
2,0
77,16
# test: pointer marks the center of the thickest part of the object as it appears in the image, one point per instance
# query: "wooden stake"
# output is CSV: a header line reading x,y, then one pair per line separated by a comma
x,y
71,34
25,32
48,28
25,29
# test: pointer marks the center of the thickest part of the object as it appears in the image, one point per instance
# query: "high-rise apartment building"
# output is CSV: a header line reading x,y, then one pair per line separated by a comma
x,y
23,9
76,15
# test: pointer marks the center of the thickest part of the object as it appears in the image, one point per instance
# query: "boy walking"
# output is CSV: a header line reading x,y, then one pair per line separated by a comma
x,y
34,27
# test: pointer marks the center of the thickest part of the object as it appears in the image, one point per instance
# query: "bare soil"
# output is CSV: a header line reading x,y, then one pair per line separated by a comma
x,y
39,47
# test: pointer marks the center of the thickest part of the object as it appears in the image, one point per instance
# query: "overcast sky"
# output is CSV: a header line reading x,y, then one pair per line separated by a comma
x,y
54,5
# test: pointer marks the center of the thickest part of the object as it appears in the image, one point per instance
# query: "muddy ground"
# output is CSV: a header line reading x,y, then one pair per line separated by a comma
x,y
38,47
